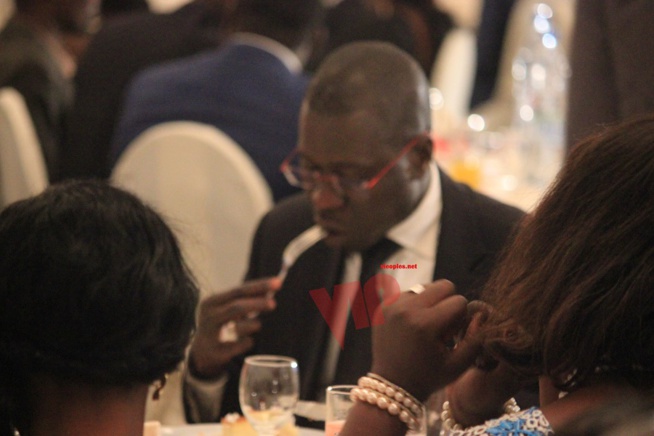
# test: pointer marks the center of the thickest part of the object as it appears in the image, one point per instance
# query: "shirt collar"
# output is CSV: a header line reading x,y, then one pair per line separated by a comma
x,y
413,232
277,49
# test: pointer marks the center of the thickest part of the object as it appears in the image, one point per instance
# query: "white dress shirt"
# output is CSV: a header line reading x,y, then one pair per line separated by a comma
x,y
417,236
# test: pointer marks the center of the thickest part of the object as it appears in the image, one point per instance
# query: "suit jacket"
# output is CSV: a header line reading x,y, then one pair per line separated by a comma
x,y
27,65
612,65
474,228
245,91
116,53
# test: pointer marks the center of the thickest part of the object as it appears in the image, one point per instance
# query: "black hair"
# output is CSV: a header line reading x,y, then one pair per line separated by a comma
x,y
93,289
286,21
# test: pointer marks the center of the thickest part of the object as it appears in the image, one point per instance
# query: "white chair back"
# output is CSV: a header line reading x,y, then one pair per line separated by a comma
x,y
22,168
454,72
207,188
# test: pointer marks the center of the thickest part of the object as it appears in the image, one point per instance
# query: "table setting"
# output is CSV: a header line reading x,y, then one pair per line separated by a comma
x,y
269,398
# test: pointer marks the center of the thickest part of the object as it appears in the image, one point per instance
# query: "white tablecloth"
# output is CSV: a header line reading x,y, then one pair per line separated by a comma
x,y
215,430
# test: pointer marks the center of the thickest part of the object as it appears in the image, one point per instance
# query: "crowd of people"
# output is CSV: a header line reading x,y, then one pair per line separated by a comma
x,y
533,322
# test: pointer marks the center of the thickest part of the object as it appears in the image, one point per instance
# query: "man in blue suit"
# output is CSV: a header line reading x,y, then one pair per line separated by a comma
x,y
251,88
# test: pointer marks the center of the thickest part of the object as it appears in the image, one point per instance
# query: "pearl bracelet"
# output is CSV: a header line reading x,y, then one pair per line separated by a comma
x,y
379,392
450,424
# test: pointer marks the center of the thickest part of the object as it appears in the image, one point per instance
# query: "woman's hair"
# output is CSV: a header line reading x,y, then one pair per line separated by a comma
x,y
93,289
574,294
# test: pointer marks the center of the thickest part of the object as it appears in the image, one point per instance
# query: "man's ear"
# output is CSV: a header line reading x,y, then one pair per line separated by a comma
x,y
421,155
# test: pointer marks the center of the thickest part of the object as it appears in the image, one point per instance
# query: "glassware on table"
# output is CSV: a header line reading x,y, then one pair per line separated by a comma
x,y
268,391
338,404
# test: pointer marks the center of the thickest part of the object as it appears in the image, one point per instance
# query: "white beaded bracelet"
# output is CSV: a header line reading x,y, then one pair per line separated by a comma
x,y
380,384
511,406
379,392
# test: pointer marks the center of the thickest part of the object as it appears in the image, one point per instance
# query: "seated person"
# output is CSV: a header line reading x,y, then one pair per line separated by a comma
x,y
250,88
35,60
96,305
126,44
373,196
571,302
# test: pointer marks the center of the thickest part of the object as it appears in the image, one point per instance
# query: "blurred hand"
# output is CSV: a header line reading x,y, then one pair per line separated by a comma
x,y
413,348
209,354
480,393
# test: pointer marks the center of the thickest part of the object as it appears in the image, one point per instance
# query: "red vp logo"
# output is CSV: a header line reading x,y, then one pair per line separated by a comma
x,y
362,303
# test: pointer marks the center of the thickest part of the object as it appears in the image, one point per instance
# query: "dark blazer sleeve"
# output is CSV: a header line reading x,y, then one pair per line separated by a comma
x,y
48,110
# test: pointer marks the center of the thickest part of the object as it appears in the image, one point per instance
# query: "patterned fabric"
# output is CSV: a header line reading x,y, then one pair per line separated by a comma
x,y
530,422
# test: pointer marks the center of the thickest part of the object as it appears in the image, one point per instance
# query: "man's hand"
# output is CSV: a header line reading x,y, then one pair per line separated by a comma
x,y
209,355
414,346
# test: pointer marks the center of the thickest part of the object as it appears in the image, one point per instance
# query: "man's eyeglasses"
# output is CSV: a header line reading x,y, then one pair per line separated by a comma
x,y
308,179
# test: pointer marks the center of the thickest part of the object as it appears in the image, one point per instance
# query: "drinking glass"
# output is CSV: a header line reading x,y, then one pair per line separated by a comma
x,y
339,404
268,391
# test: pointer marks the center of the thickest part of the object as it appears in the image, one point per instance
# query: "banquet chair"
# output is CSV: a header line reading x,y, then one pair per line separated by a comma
x,y
209,190
454,71
22,168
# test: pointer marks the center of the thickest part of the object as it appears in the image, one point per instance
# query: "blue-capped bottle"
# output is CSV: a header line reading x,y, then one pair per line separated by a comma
x,y
540,74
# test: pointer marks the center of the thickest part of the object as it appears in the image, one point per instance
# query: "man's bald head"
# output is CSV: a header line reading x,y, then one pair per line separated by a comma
x,y
377,78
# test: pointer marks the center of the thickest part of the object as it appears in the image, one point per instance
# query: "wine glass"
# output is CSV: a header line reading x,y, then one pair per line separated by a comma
x,y
268,391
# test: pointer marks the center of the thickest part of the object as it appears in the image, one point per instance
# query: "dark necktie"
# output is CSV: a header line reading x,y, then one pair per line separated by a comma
x,y
356,356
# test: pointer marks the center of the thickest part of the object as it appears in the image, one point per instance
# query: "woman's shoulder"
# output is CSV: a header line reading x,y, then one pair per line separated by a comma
x,y
529,422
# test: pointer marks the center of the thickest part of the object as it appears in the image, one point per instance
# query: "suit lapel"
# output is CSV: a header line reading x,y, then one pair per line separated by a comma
x,y
460,251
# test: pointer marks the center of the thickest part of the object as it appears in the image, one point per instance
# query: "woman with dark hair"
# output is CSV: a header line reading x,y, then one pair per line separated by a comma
x,y
571,303
96,304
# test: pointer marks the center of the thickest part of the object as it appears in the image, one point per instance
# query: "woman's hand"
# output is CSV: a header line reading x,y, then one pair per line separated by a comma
x,y
413,345
480,393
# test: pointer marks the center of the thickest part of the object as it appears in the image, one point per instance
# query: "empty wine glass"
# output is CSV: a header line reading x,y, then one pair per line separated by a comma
x,y
268,391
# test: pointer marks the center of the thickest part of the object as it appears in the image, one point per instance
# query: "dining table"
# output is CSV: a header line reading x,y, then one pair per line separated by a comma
x,y
216,430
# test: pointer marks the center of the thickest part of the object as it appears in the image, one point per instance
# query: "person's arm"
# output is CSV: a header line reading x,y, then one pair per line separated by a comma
x,y
479,395
482,392
423,327
211,352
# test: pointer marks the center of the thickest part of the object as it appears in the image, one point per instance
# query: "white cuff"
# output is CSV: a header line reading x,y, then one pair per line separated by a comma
x,y
203,398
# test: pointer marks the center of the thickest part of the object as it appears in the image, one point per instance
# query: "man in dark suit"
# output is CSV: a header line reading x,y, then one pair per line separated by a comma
x,y
373,196
251,88
124,46
34,60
